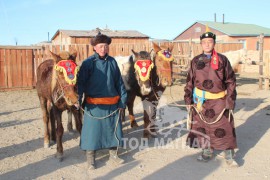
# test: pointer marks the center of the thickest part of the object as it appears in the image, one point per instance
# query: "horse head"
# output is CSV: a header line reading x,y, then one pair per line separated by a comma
x,y
143,66
163,61
64,77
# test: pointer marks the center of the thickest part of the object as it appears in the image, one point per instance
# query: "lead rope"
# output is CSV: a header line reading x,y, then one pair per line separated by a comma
x,y
99,118
115,128
61,95
176,104
104,117
152,86
200,114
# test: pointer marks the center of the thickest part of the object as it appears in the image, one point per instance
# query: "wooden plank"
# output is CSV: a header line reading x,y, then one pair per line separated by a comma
x,y
29,75
47,54
24,68
84,56
2,69
9,71
32,75
20,47
19,72
14,68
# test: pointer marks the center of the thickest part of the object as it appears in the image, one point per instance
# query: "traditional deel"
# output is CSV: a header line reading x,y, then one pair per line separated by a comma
x,y
102,126
212,117
69,69
144,68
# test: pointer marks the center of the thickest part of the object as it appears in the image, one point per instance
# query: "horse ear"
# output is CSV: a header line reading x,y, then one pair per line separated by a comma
x,y
73,55
64,55
156,47
171,47
152,54
55,57
135,53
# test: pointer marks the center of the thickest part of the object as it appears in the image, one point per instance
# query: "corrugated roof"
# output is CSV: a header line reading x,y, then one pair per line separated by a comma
x,y
237,29
108,32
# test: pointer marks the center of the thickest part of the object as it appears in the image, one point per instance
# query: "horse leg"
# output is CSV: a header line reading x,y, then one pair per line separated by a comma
x,y
146,130
59,133
69,123
78,119
149,118
153,120
130,104
153,112
51,123
45,117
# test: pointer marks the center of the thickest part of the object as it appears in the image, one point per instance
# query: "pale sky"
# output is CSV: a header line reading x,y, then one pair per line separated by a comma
x,y
29,21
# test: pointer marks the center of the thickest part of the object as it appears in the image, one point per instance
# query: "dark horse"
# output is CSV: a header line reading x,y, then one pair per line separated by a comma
x,y
135,71
160,77
56,79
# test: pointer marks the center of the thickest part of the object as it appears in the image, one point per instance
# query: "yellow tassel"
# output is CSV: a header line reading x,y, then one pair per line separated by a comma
x,y
164,57
207,29
67,79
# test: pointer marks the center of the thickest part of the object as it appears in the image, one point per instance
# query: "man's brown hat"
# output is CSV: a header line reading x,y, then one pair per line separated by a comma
x,y
100,38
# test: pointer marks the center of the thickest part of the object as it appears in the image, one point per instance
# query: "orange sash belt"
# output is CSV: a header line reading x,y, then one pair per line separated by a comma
x,y
103,100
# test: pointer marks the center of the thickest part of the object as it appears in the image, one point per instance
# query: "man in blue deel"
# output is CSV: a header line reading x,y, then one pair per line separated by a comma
x,y
100,81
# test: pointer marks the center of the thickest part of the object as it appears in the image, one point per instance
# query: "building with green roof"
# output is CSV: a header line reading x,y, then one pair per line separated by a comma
x,y
229,32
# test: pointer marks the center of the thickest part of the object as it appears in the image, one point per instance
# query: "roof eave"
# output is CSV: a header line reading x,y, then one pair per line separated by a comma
x,y
247,35
55,34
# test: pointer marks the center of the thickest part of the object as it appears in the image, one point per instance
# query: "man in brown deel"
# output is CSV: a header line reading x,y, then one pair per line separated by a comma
x,y
210,94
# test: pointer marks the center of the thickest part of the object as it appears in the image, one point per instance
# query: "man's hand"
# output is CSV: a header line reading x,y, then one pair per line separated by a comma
x,y
77,106
121,109
189,107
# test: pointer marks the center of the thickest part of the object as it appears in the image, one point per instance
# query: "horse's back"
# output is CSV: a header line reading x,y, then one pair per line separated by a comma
x,y
44,77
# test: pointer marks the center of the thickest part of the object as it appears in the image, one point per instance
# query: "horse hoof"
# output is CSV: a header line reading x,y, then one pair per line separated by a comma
x,y
46,145
146,136
134,124
69,129
71,132
149,135
59,156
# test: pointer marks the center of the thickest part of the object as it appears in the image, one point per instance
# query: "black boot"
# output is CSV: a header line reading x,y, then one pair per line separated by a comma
x,y
90,155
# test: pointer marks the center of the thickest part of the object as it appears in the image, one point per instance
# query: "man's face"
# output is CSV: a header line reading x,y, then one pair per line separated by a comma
x,y
208,45
102,49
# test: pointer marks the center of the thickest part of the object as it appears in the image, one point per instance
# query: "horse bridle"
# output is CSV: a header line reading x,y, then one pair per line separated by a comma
x,y
62,93
161,69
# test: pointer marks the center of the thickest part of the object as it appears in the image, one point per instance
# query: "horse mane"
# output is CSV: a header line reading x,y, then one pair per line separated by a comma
x,y
126,67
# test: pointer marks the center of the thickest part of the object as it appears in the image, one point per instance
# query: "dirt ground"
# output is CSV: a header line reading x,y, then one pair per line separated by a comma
x,y
22,155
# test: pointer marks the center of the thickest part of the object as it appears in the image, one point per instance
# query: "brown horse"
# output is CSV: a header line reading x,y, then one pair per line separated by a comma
x,y
160,78
56,79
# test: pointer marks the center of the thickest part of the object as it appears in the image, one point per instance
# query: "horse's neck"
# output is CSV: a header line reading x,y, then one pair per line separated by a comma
x,y
155,80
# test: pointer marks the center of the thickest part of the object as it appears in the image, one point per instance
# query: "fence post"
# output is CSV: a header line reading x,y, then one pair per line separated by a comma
x,y
266,77
261,60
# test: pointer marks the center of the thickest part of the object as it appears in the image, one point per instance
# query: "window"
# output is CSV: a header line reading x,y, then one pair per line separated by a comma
x,y
198,29
244,42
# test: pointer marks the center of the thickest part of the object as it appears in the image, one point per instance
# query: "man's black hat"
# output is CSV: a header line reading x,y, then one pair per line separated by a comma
x,y
208,35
